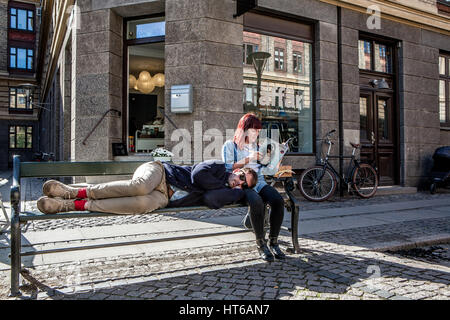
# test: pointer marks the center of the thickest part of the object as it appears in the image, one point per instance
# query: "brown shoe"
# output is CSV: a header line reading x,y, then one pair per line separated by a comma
x,y
54,205
53,188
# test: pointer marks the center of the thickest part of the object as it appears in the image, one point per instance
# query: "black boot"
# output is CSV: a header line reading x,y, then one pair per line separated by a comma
x,y
275,248
264,251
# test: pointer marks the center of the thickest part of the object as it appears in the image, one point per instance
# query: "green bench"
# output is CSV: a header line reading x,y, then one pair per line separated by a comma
x,y
104,168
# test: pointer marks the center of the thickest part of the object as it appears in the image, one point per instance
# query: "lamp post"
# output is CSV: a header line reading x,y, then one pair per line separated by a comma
x,y
30,88
259,61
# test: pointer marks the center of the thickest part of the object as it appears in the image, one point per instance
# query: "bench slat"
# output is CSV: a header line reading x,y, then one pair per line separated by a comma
x,y
69,169
31,216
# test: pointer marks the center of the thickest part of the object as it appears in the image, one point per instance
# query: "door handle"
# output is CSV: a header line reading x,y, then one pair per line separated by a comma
x,y
372,138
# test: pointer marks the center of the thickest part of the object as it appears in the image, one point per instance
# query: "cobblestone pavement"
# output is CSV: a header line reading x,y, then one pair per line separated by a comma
x,y
325,269
335,265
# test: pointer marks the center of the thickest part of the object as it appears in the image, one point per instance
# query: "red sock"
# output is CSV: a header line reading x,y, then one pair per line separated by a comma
x,y
82,194
79,205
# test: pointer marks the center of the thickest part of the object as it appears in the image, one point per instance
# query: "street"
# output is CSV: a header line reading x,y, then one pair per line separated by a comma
x,y
352,249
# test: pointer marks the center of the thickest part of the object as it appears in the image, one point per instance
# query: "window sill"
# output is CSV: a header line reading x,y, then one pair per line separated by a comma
x,y
445,128
22,30
19,111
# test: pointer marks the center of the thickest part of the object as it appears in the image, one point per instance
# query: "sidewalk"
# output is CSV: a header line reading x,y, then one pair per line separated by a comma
x,y
341,240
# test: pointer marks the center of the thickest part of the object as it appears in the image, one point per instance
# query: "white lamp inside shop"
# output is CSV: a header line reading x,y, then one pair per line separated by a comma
x,y
145,83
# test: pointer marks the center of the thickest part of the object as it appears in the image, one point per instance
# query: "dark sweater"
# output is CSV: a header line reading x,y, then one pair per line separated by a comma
x,y
206,182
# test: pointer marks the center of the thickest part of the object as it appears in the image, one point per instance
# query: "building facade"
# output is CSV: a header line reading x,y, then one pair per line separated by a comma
x,y
376,71
19,91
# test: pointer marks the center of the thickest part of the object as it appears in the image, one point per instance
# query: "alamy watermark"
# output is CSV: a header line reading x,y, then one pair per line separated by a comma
x,y
191,146
374,280
374,20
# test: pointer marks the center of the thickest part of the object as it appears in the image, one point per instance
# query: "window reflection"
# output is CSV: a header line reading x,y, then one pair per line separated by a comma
x,y
365,55
383,129
21,19
146,28
363,118
18,98
383,59
21,58
20,137
380,54
442,65
442,109
248,49
285,98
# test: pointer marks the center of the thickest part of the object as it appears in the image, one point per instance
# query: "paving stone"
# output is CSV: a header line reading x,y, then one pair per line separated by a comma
x,y
335,266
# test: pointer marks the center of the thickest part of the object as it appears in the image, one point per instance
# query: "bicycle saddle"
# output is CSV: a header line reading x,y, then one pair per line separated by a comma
x,y
354,145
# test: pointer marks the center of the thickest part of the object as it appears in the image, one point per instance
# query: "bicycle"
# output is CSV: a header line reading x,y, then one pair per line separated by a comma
x,y
319,183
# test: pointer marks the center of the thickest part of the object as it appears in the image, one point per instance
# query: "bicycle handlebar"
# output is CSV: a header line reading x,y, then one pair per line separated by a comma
x,y
331,132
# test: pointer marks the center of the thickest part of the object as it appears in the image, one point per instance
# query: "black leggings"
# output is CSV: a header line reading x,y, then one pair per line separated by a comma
x,y
257,201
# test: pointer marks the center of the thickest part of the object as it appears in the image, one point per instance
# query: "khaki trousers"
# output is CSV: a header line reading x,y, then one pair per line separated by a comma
x,y
144,193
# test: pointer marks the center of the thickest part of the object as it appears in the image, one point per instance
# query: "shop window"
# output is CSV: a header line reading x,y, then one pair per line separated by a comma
x,y
21,19
19,100
146,84
375,56
21,58
20,137
284,99
444,90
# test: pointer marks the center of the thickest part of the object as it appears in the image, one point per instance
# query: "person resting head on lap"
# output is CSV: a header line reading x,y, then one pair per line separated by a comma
x,y
154,185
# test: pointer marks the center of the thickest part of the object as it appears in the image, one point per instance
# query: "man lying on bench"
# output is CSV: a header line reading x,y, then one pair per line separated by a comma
x,y
154,185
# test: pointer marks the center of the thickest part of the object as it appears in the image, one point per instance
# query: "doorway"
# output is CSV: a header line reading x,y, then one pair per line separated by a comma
x,y
377,134
144,91
379,115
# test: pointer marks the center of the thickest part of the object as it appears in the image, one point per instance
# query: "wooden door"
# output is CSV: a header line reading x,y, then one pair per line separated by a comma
x,y
378,134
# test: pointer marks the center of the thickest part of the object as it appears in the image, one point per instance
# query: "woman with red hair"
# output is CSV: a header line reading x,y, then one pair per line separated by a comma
x,y
243,151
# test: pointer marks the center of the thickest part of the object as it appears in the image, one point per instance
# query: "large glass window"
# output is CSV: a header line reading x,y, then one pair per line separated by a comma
x,y
444,89
146,82
20,137
21,19
284,99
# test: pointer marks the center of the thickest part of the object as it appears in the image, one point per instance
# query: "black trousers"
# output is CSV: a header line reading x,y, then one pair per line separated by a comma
x,y
257,201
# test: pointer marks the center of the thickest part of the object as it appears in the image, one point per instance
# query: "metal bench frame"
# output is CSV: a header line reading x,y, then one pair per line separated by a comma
x,y
103,168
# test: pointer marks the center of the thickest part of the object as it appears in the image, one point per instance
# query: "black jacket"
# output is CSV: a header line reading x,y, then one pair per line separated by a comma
x,y
206,182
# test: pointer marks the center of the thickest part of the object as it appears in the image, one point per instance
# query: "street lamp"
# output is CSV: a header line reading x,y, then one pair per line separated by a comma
x,y
259,60
29,87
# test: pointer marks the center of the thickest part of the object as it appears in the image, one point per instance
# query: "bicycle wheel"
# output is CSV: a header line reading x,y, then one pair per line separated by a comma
x,y
313,189
365,180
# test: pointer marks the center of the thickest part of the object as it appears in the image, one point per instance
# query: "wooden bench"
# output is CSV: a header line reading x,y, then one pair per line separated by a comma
x,y
105,168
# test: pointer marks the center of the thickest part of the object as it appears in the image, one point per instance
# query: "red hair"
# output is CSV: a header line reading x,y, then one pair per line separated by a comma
x,y
248,121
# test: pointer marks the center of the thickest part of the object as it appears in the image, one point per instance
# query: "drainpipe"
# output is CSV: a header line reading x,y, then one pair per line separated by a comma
x,y
340,103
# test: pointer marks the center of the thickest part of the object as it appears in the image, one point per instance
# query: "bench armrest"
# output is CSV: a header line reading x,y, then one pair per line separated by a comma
x,y
289,186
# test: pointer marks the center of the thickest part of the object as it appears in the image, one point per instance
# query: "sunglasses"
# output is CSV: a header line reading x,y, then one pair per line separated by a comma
x,y
242,178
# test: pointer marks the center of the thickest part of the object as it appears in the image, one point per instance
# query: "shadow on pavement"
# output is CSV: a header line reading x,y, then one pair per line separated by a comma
x,y
312,274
